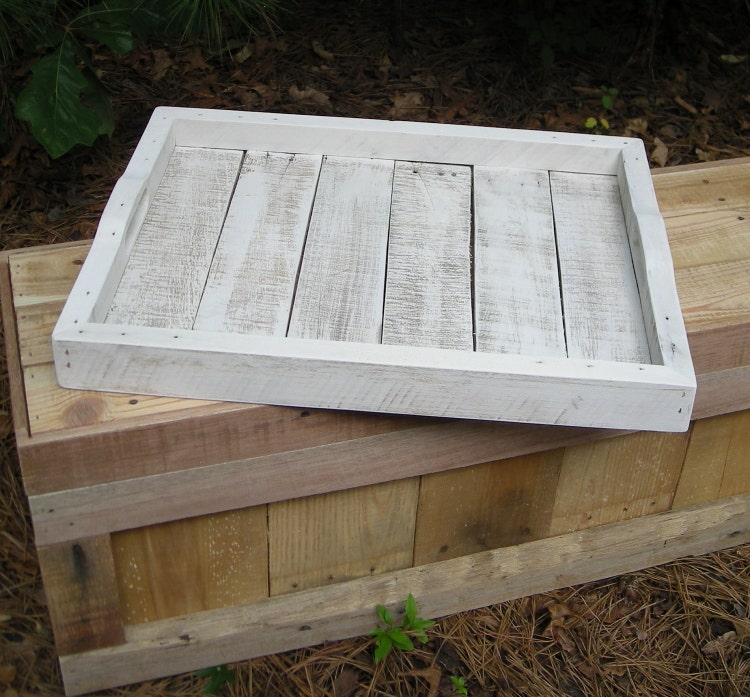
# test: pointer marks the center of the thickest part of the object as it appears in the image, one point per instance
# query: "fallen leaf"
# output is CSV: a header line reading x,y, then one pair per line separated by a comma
x,y
732,59
660,153
243,54
345,683
309,94
718,644
704,155
406,104
162,63
319,51
685,105
637,125
669,131
432,675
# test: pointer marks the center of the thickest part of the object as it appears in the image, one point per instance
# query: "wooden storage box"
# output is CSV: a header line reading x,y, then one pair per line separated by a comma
x,y
381,266
175,534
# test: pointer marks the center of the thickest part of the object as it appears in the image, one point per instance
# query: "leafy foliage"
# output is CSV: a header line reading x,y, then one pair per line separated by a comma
x,y
401,637
217,678
459,686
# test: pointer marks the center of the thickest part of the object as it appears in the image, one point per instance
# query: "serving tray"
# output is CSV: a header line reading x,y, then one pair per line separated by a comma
x,y
412,268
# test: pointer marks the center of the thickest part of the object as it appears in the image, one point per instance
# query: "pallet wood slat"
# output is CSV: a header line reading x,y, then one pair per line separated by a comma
x,y
339,294
517,289
250,286
167,269
346,609
82,594
377,252
428,289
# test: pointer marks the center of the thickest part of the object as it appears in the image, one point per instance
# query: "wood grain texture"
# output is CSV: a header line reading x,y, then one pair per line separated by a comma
x,y
167,269
322,540
620,479
487,506
717,460
251,283
516,286
346,609
81,593
339,293
601,305
44,275
191,565
428,289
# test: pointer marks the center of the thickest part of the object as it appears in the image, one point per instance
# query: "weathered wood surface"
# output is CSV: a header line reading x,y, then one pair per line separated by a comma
x,y
346,609
517,288
251,283
339,294
414,247
167,269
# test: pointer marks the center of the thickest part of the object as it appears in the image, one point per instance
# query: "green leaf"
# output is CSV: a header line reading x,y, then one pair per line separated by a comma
x,y
400,640
382,647
64,105
217,677
410,612
384,615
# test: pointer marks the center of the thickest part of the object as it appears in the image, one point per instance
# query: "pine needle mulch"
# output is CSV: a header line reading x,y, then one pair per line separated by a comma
x,y
679,629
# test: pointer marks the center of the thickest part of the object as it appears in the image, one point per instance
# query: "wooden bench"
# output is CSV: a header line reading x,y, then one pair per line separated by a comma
x,y
177,534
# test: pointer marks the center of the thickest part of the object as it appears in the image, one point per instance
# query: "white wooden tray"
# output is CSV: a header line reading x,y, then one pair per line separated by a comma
x,y
383,266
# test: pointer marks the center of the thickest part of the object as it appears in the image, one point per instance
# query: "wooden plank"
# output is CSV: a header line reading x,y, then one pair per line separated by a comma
x,y
35,323
52,408
322,540
42,275
120,505
600,298
251,283
184,439
516,285
81,594
347,609
428,290
487,506
618,479
698,188
340,288
191,565
167,269
716,463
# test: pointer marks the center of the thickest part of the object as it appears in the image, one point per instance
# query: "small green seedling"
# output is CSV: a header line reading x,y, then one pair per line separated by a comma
x,y
217,677
597,126
459,686
609,95
401,636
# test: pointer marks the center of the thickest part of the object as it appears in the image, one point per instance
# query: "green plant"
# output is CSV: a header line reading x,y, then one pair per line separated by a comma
x,y
596,126
609,94
64,101
392,635
210,18
459,686
217,678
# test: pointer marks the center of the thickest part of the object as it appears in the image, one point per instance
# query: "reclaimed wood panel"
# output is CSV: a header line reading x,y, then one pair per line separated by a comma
x,y
717,462
191,565
428,291
619,479
487,506
251,283
339,293
516,285
168,265
81,594
322,540
601,305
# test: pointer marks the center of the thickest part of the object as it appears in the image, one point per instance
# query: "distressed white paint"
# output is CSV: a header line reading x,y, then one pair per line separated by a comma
x,y
251,283
167,268
601,304
640,376
517,289
428,289
340,289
